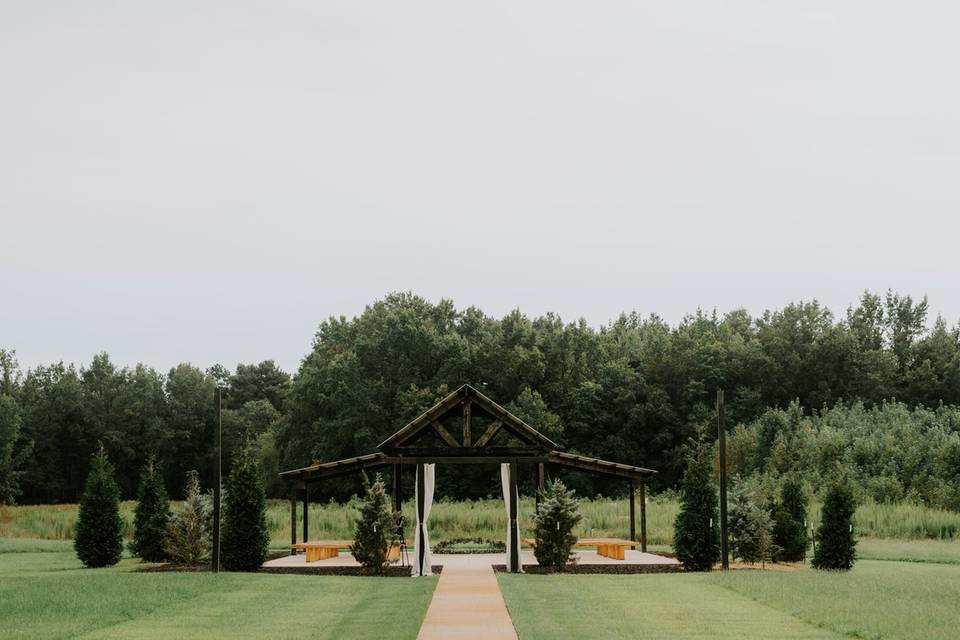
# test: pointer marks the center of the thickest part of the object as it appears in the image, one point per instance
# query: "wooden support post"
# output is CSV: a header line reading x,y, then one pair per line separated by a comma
x,y
421,496
514,538
466,423
397,501
643,517
633,512
293,519
538,485
722,436
306,512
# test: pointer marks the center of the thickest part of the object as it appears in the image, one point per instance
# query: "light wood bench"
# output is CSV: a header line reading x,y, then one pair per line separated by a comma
x,y
614,548
326,549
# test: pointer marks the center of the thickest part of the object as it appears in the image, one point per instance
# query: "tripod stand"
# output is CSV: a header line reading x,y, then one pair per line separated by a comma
x,y
401,541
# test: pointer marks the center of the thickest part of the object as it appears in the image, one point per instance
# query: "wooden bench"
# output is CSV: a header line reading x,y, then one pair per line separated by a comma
x,y
326,549
614,548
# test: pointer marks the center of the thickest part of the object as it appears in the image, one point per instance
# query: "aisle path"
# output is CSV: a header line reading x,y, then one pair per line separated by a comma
x,y
467,602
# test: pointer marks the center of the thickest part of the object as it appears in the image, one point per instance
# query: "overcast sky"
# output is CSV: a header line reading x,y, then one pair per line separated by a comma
x,y
207,181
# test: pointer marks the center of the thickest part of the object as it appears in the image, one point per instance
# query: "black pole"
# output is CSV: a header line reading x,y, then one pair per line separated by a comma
x,y
722,434
643,517
540,483
514,538
215,554
421,496
397,502
633,511
293,519
306,512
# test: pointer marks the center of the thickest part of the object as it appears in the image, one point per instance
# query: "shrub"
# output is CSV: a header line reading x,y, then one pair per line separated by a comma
x,y
99,541
151,515
751,526
245,540
187,539
695,539
374,526
789,522
553,526
836,546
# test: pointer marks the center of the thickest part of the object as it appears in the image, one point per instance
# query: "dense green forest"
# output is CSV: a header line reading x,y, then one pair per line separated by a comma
x,y
875,389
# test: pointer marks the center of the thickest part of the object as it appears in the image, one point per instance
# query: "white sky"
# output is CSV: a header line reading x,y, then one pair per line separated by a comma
x,y
207,181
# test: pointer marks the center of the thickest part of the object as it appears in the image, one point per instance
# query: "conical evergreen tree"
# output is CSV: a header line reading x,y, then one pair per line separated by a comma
x,y
836,545
553,526
790,517
245,539
99,535
696,537
187,539
375,526
151,515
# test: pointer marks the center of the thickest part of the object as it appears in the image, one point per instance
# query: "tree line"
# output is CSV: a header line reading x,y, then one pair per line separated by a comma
x,y
636,390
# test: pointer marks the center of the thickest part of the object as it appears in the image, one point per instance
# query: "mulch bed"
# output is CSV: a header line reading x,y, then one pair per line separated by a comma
x,y
617,569
390,572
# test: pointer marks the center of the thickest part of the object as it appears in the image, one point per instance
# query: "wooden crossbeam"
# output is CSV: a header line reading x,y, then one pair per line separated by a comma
x,y
443,433
489,433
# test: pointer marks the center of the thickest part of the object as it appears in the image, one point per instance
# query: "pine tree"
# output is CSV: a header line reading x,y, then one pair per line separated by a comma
x,y
151,515
187,539
99,536
245,540
553,526
751,525
836,546
374,526
790,522
696,539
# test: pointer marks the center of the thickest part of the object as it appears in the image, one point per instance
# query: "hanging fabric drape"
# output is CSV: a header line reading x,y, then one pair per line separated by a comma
x,y
513,516
422,555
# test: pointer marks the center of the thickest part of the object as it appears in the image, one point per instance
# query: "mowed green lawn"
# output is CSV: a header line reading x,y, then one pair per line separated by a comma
x,y
878,599
45,593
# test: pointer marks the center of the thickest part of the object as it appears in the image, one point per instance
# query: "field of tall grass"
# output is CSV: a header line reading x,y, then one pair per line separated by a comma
x,y
488,519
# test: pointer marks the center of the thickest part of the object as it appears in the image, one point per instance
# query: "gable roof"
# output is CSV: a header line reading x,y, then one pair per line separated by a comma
x,y
467,402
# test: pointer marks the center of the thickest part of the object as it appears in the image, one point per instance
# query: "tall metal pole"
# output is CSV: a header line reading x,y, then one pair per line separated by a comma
x,y
722,441
215,555
643,516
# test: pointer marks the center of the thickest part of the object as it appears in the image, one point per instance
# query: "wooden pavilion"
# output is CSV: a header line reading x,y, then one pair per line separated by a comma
x,y
503,438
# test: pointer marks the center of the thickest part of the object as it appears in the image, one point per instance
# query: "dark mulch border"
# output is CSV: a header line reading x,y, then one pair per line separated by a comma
x,y
611,569
390,572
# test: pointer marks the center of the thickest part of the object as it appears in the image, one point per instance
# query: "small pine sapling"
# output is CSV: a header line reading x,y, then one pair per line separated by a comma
x,y
187,540
246,540
836,545
790,522
151,515
99,536
553,526
695,535
375,526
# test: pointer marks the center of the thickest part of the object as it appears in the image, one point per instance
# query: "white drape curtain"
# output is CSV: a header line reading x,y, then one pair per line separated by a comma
x,y
505,481
422,563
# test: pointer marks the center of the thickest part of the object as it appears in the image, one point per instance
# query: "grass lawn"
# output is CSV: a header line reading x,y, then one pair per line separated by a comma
x,y
876,600
939,551
45,593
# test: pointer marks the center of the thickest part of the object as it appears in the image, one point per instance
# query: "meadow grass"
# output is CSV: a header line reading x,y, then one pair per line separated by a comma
x,y
936,551
46,594
907,601
487,519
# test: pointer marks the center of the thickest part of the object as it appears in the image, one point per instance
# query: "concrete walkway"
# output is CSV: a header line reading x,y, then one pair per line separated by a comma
x,y
467,602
